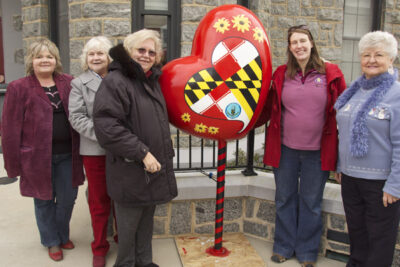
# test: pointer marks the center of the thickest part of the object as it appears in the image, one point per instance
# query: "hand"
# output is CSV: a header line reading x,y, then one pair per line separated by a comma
x,y
388,199
338,177
151,164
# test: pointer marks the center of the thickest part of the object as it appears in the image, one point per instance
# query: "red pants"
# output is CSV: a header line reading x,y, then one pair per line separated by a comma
x,y
99,202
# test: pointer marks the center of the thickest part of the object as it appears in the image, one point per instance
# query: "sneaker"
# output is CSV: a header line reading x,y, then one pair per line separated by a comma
x,y
308,264
278,258
55,253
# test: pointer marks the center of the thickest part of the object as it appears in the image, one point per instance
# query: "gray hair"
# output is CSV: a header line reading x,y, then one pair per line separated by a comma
x,y
379,39
134,40
101,43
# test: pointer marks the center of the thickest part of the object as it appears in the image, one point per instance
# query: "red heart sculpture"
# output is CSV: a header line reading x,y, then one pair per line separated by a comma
x,y
219,90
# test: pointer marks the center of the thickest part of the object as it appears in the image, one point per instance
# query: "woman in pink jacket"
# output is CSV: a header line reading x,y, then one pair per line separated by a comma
x,y
301,144
40,146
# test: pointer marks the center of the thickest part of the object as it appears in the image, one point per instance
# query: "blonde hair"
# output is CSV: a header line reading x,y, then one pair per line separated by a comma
x,y
134,40
34,50
379,38
101,43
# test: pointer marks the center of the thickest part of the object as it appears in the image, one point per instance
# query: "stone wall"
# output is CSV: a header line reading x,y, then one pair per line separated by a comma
x,y
391,20
34,20
111,18
249,215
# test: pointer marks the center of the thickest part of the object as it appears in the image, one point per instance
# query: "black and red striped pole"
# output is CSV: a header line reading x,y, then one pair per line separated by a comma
x,y
218,249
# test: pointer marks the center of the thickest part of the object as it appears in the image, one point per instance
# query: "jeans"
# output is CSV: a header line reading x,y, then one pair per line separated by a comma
x,y
53,216
372,227
300,184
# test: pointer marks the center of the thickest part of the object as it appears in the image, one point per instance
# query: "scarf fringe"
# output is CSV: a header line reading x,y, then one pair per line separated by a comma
x,y
360,132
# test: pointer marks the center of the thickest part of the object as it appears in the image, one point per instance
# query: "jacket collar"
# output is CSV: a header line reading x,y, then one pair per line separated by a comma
x,y
90,80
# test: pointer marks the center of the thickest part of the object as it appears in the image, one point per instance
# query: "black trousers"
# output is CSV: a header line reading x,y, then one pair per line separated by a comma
x,y
135,232
372,227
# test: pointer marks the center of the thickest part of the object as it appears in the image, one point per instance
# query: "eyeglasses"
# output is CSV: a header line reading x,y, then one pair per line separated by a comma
x,y
143,51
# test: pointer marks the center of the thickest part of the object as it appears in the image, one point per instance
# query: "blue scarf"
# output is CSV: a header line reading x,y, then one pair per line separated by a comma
x,y
359,134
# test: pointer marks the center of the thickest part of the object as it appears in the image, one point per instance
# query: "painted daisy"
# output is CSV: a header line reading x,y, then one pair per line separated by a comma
x,y
200,128
222,25
241,23
185,117
258,34
213,130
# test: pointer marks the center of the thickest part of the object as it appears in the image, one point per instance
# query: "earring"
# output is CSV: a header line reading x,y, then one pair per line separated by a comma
x,y
391,70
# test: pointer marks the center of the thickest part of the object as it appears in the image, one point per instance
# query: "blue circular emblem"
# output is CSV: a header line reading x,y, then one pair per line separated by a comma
x,y
233,110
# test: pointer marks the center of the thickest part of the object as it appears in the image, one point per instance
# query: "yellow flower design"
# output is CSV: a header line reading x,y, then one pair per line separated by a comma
x,y
200,128
258,34
185,117
241,23
222,25
213,130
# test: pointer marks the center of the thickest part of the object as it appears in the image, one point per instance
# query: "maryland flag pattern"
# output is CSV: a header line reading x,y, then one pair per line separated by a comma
x,y
230,89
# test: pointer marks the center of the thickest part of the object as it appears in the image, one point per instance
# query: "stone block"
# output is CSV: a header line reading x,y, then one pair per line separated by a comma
x,y
293,8
117,27
338,35
232,228
316,3
330,53
339,247
106,10
394,17
35,29
306,3
27,3
193,13
250,203
278,10
398,5
260,5
159,226
227,2
185,50
284,23
188,31
389,4
19,56
205,229
17,22
233,209
205,211
181,218
330,14
187,2
328,3
86,28
326,26
34,13
75,48
340,4
266,211
75,68
161,210
207,2
308,11
278,1
75,11
337,222
255,229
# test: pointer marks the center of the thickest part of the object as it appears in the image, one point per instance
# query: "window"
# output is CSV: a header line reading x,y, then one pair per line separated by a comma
x,y
360,17
163,16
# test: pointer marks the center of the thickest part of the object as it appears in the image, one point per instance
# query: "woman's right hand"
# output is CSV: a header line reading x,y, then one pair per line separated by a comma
x,y
338,177
151,164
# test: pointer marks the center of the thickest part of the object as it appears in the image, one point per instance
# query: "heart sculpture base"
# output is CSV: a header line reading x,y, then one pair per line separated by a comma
x,y
223,252
192,251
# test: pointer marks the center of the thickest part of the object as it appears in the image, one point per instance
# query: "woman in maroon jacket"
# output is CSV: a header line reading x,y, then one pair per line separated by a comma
x,y
40,146
301,144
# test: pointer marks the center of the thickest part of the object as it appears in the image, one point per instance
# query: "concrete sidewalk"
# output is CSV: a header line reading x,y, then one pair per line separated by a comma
x,y
20,242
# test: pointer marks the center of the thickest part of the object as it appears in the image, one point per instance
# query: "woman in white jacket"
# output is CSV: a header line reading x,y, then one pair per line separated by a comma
x,y
95,60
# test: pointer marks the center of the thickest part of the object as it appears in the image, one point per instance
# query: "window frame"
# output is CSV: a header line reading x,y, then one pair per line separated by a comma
x,y
173,15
